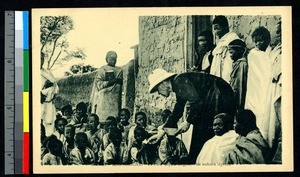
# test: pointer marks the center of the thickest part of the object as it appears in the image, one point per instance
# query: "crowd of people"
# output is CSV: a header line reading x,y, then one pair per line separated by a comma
x,y
234,98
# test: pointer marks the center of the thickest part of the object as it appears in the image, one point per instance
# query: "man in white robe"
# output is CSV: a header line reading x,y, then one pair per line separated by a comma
x,y
259,78
222,64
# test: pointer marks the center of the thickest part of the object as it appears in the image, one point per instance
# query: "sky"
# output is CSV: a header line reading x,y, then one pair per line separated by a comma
x,y
98,33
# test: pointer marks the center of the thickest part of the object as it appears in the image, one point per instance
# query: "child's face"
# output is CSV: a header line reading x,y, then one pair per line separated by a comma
x,y
110,124
93,123
140,120
218,30
219,127
202,42
81,143
260,43
234,53
60,127
79,113
67,113
139,137
69,134
123,117
238,127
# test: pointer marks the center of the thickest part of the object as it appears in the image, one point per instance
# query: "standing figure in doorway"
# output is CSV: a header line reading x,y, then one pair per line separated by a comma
x,y
222,64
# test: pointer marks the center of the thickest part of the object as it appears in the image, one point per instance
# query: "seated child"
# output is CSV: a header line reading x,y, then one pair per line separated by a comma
x,y
95,136
109,123
79,120
123,123
238,76
250,147
215,149
67,112
171,149
164,116
60,124
116,152
53,157
140,120
138,151
81,154
69,144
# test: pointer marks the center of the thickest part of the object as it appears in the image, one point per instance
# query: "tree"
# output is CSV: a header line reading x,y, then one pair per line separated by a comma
x,y
80,68
53,40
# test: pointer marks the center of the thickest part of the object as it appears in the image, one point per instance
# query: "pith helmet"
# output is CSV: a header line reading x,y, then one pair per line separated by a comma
x,y
158,76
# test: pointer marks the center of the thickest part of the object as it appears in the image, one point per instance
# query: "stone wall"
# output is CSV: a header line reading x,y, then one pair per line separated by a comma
x,y
164,41
128,93
245,25
161,44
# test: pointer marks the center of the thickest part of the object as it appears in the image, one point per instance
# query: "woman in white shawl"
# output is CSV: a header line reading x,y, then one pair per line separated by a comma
x,y
49,89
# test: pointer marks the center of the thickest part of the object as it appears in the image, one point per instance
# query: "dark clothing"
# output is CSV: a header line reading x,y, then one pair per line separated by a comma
x,y
250,149
238,82
208,95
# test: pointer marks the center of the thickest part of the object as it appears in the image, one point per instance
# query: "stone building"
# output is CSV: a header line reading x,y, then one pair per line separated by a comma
x,y
168,42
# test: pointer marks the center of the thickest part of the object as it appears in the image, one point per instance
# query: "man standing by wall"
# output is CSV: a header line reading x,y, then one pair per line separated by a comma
x,y
222,64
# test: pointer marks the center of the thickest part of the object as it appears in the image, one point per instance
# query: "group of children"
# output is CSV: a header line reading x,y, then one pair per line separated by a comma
x,y
80,139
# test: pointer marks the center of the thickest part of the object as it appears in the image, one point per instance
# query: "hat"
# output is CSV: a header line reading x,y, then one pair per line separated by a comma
x,y
170,131
156,77
237,43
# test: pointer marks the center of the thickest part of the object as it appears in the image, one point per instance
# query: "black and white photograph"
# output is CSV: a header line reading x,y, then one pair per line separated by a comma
x,y
202,89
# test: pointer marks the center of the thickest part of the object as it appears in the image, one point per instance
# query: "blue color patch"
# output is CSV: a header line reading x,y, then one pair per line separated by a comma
x,y
25,30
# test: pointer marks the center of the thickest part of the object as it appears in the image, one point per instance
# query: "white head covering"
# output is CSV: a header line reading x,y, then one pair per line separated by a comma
x,y
158,76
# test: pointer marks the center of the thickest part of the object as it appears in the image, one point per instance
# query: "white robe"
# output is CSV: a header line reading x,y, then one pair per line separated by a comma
x,y
221,65
272,121
214,150
48,114
259,80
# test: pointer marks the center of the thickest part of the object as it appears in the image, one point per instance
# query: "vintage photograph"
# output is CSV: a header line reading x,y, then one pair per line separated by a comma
x,y
162,90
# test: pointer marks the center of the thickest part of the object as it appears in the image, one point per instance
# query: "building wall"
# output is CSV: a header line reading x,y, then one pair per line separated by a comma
x,y
161,44
245,25
165,41
128,93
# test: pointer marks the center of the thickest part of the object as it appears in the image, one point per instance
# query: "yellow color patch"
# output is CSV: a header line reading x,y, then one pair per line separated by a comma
x,y
25,112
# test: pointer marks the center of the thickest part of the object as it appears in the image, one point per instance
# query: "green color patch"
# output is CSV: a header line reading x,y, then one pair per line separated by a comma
x,y
26,70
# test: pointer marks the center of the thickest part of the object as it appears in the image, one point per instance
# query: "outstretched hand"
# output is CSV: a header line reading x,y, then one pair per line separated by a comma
x,y
183,127
155,138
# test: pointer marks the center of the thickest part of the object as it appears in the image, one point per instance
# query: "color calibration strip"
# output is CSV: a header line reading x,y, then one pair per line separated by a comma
x,y
26,140
16,93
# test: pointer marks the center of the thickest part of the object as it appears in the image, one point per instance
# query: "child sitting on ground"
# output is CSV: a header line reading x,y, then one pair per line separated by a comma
x,y
109,123
54,156
123,123
69,144
139,153
95,136
116,152
171,149
164,116
140,120
238,76
60,124
81,154
79,120
67,112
